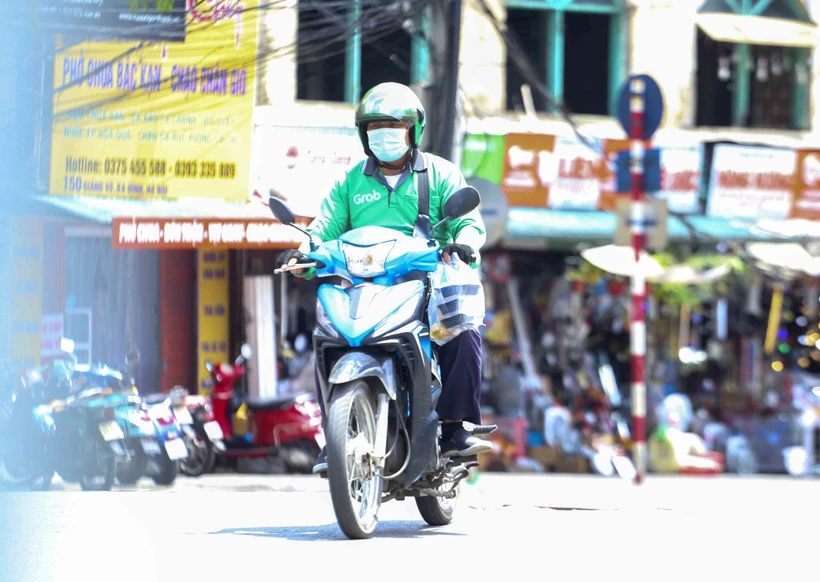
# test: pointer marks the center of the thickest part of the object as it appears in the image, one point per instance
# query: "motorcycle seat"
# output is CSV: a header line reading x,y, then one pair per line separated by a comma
x,y
264,404
155,398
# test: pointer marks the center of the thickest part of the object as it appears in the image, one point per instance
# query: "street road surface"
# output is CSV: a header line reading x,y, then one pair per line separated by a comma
x,y
536,527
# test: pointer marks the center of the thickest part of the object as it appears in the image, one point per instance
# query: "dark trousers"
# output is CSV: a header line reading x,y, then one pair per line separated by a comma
x,y
460,362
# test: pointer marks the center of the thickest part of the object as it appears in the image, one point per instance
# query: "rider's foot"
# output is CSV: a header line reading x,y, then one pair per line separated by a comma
x,y
463,444
321,462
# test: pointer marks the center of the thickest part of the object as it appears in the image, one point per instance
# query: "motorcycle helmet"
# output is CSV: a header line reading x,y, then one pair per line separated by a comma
x,y
390,102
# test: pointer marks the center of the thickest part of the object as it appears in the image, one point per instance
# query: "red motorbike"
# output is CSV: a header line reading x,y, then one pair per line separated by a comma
x,y
287,431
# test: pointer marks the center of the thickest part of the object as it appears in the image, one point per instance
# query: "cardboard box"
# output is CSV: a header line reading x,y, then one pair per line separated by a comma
x,y
572,464
545,455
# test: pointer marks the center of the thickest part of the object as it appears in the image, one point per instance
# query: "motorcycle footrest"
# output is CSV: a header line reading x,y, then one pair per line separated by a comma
x,y
480,428
470,460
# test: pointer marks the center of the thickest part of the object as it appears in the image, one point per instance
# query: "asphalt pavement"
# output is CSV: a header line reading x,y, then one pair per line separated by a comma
x,y
542,527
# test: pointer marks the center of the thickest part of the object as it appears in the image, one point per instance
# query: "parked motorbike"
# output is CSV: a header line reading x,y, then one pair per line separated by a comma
x,y
286,430
25,430
202,434
168,448
153,443
378,371
87,440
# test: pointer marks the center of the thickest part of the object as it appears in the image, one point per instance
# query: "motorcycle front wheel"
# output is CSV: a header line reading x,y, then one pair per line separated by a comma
x,y
355,487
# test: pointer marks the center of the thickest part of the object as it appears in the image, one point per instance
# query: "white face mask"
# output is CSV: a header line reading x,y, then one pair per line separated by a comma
x,y
388,144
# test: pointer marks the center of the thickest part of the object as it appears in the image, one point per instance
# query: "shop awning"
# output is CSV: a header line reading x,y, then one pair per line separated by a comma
x,y
526,225
620,260
740,29
785,256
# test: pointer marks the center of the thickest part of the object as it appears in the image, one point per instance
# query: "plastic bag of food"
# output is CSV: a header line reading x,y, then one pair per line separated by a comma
x,y
457,301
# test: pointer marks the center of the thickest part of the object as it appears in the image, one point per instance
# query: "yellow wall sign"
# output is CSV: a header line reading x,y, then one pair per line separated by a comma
x,y
26,300
213,296
164,120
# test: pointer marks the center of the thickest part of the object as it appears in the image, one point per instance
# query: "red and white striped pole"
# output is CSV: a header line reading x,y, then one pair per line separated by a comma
x,y
638,322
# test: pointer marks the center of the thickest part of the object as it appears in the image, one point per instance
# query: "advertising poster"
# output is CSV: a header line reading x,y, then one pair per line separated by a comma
x,y
26,294
163,120
52,334
751,183
213,297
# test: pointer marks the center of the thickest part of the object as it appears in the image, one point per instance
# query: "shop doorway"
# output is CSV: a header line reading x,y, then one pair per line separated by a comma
x,y
115,294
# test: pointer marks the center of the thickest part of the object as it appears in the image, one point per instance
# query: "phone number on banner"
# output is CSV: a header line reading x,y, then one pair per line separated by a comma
x,y
87,175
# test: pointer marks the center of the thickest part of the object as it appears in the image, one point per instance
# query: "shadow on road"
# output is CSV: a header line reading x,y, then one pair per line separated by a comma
x,y
330,532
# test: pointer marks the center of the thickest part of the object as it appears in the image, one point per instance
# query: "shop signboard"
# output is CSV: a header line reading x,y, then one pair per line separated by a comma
x,y
680,178
52,333
751,182
158,121
26,293
301,164
528,169
131,19
806,203
213,296
483,157
208,233
544,171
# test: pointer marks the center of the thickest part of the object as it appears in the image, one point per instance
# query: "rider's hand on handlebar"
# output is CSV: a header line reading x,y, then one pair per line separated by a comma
x,y
289,258
465,253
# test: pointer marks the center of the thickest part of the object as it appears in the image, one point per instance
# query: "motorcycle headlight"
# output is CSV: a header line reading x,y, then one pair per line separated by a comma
x,y
323,321
367,262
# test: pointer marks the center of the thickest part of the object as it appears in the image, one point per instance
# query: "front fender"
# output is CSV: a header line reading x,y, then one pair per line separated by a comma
x,y
356,365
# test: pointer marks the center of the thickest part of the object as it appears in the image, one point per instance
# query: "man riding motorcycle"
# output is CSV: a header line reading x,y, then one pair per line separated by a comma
x,y
383,190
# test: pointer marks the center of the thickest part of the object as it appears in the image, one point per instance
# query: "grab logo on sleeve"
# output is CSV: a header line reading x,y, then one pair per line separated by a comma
x,y
366,198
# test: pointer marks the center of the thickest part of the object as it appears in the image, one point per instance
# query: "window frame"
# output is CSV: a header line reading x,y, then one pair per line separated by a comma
x,y
742,97
555,41
419,54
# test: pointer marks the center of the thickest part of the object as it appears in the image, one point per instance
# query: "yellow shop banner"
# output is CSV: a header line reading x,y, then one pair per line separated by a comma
x,y
213,295
26,301
164,120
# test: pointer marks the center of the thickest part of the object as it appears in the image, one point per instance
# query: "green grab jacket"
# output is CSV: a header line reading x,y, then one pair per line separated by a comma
x,y
364,198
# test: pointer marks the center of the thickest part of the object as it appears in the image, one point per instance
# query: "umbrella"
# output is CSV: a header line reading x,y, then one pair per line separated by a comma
x,y
620,260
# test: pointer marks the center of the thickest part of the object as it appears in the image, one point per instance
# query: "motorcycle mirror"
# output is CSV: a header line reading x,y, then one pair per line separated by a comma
x,y
285,215
459,203
246,351
67,345
281,211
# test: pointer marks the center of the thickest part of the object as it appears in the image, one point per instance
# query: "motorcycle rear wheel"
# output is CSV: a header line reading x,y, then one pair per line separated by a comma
x,y
167,470
108,470
130,471
200,457
357,512
438,511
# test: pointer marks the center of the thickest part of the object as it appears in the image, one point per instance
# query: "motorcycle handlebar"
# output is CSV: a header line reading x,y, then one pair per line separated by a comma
x,y
299,267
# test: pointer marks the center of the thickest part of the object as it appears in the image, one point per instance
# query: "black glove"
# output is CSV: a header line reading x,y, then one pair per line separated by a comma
x,y
289,254
465,253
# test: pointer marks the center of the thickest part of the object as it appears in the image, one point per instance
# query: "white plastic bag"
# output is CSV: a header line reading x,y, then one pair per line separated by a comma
x,y
457,301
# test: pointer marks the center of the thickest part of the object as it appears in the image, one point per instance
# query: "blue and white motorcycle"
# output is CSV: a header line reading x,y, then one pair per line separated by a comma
x,y
378,372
